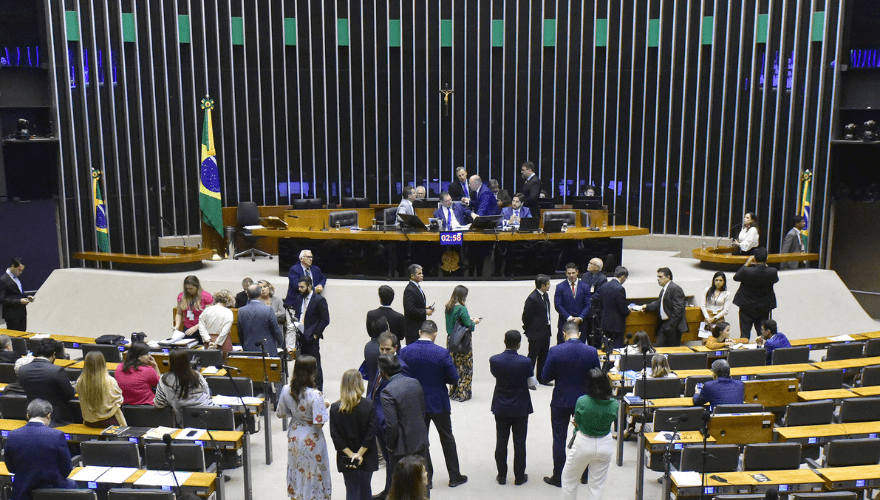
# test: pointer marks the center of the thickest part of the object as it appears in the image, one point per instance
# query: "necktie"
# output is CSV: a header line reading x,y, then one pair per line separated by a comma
x,y
573,289
309,273
547,306
662,305
516,213
448,218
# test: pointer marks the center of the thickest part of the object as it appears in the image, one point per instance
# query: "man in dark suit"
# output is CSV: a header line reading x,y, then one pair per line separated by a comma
x,y
312,316
452,215
532,187
516,210
43,379
415,308
794,242
37,454
755,296
458,188
403,406
722,390
7,355
258,326
670,308
304,268
594,278
241,298
572,302
567,364
612,306
13,298
432,366
511,405
388,344
536,323
483,201
396,321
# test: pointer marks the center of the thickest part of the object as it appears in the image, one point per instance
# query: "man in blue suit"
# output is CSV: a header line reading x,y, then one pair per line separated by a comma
x,y
37,454
516,210
612,306
258,326
567,364
511,405
452,215
484,201
313,316
304,268
572,301
722,390
432,366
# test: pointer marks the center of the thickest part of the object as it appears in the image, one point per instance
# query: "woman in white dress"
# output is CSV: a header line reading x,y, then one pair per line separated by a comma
x,y
308,473
716,301
748,236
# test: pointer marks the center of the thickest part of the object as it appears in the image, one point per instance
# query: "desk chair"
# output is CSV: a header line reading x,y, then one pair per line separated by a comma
x,y
844,350
567,216
63,494
872,348
790,355
345,218
654,388
20,345
688,361
870,375
111,353
148,416
223,386
738,358
355,202
719,458
188,457
824,495
110,453
209,417
13,407
742,408
7,373
249,215
859,409
300,204
809,413
138,494
771,456
818,380
694,416
205,357
634,362
849,452
389,216
690,384
73,373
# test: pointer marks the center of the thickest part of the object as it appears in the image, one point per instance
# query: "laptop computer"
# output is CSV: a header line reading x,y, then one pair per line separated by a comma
x,y
485,221
529,225
411,222
553,226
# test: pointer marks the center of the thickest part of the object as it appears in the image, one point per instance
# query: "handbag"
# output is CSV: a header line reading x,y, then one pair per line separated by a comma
x,y
460,340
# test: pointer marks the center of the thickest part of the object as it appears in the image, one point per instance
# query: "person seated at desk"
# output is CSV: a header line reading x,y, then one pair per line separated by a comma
x,y
516,210
182,386
722,390
406,204
190,304
138,375
641,343
7,355
99,395
771,339
452,216
720,338
660,367
43,379
37,454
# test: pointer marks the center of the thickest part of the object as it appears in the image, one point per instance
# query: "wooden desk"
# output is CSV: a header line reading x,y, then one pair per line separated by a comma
x,y
742,482
187,259
742,428
848,365
69,341
233,330
772,393
825,394
723,258
813,434
751,371
873,390
654,442
870,335
79,365
201,484
824,342
850,478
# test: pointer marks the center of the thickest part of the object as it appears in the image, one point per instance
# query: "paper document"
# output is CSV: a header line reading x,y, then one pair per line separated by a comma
x,y
116,475
209,370
89,473
233,400
158,432
162,478
687,478
841,338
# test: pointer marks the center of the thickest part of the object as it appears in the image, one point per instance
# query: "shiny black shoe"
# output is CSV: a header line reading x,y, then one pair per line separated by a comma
x,y
500,479
553,481
521,480
460,480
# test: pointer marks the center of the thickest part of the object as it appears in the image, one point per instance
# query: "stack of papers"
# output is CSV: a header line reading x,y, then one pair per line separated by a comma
x,y
685,479
162,478
108,475
235,401
158,432
839,338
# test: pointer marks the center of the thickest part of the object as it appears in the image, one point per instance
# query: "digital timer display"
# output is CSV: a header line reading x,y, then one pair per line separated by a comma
x,y
450,238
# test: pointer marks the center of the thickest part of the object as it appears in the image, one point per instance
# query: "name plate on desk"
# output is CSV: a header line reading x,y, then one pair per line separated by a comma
x,y
450,238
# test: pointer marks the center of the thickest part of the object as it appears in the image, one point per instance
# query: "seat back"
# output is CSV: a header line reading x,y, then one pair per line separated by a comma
x,y
690,384
809,413
209,417
790,355
13,407
205,357
742,408
689,419
774,393
566,216
110,453
741,428
300,204
138,494
7,373
248,214
345,218
223,386
847,452
634,362
389,215
859,409
315,203
111,353
771,456
871,375
719,458
188,457
688,361
819,380
148,416
20,345
739,358
654,388
73,373
845,350
872,348
63,494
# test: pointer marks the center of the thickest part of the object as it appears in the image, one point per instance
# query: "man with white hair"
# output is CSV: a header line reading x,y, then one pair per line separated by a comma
x,y
304,268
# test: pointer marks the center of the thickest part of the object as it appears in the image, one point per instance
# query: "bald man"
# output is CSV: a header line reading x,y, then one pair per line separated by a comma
x,y
484,201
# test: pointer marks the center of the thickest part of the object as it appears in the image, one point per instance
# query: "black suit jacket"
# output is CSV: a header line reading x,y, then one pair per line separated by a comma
x,y
10,298
674,306
414,311
612,306
403,404
41,379
39,458
396,321
354,430
317,316
532,191
511,371
756,288
534,316
457,192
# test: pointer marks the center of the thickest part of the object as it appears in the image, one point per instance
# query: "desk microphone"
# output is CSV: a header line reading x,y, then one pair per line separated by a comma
x,y
260,343
771,494
167,439
228,368
678,420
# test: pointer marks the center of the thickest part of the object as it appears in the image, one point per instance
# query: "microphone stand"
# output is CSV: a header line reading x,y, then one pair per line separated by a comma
x,y
218,457
640,468
704,454
621,410
667,461
170,456
271,390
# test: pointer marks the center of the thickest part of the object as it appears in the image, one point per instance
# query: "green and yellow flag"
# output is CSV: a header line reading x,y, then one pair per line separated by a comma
x,y
804,204
100,214
209,178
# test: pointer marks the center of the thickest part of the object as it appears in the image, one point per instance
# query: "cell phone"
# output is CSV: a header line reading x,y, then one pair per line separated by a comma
x,y
192,433
718,478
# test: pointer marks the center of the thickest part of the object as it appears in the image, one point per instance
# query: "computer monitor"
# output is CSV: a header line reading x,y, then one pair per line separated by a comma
x,y
485,221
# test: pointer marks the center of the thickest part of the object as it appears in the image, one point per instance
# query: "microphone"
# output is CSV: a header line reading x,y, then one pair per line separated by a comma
x,y
732,228
167,439
678,420
228,368
196,414
706,416
260,343
629,335
771,494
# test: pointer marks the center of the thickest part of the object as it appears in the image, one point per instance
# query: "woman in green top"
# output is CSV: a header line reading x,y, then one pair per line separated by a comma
x,y
456,313
592,446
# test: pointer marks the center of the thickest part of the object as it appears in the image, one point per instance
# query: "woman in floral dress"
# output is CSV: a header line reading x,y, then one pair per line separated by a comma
x,y
308,474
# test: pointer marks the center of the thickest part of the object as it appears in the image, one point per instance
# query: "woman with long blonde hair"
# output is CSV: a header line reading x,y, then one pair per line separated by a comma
x,y
99,395
353,430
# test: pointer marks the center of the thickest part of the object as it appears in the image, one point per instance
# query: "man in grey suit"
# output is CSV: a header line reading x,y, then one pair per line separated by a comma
x,y
793,242
257,324
670,308
403,405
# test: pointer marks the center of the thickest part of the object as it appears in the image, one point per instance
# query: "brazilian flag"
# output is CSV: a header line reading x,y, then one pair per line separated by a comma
x,y
209,178
806,195
100,214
